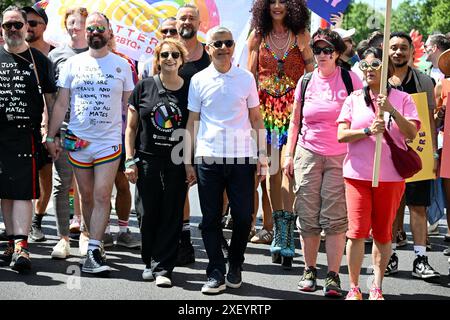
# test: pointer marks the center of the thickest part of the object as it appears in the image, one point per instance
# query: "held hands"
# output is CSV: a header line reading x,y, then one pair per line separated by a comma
x,y
54,148
261,167
131,173
191,177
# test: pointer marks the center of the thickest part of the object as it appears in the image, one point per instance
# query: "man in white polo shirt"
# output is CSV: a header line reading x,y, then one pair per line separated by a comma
x,y
224,100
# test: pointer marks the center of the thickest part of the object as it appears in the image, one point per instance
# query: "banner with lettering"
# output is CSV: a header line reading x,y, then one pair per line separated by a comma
x,y
422,143
135,22
445,159
325,8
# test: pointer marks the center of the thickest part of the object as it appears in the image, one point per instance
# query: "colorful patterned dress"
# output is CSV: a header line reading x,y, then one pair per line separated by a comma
x,y
277,79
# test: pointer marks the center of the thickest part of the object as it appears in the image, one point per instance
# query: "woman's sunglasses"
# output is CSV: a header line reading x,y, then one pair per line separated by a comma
x,y
166,54
374,65
16,24
99,29
172,32
326,50
219,43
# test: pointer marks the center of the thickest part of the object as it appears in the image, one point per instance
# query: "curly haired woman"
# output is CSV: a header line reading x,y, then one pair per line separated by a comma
x,y
278,56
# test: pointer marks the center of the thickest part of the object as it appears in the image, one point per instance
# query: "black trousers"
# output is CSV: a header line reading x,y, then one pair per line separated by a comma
x,y
162,191
238,179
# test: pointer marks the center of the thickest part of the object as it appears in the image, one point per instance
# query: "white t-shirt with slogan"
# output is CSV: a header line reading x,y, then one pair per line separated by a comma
x,y
96,86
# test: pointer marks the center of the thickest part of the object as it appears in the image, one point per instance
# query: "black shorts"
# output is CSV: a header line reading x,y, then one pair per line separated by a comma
x,y
418,193
19,178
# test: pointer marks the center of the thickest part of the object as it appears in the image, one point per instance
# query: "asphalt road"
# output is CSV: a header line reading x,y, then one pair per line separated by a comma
x,y
61,279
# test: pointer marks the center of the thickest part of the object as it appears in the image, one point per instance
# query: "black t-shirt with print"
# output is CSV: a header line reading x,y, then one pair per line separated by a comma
x,y
192,67
20,100
154,134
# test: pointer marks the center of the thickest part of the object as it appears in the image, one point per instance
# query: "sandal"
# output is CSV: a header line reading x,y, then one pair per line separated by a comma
x,y
263,236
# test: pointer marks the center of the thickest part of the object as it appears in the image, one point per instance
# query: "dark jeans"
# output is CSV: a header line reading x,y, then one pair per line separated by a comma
x,y
162,191
238,180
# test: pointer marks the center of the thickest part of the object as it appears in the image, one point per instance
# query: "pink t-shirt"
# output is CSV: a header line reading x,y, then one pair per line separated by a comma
x,y
324,97
358,163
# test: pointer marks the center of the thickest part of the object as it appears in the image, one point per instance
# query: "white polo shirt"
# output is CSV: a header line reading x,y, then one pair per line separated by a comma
x,y
223,100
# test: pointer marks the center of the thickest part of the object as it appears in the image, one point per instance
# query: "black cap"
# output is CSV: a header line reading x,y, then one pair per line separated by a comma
x,y
37,10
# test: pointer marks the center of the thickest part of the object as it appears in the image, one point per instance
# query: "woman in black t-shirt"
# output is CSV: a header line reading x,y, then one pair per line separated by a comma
x,y
154,114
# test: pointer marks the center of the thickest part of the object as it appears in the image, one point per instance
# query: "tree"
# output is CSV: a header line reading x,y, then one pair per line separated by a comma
x,y
440,21
408,16
364,18
20,3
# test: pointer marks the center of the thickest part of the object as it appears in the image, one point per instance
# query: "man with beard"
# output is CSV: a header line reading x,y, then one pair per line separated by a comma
x,y
37,23
417,194
188,22
26,76
97,84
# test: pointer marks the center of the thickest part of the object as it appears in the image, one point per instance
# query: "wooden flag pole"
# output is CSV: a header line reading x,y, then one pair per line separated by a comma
x,y
383,90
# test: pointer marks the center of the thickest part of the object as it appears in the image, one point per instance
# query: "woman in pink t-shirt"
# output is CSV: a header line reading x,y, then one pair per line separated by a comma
x,y
317,164
367,207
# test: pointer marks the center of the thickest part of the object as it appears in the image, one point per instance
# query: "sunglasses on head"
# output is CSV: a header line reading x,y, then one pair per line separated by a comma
x,y
374,65
172,32
166,54
99,29
34,23
16,24
326,50
219,43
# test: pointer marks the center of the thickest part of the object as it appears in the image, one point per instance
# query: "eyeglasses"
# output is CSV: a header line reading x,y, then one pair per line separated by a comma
x,y
219,43
374,65
166,54
326,50
34,23
99,29
16,24
172,32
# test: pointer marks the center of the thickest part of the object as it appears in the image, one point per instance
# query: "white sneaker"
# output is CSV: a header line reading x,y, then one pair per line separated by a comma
x,y
83,244
61,250
433,229
147,274
163,281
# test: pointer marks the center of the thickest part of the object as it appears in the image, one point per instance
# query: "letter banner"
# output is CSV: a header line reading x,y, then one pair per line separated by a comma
x,y
135,22
325,8
445,159
422,143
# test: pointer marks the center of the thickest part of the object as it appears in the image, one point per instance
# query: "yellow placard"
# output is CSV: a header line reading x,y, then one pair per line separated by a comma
x,y
422,144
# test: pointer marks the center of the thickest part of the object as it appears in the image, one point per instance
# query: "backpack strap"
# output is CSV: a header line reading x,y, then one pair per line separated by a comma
x,y
306,79
347,81
163,95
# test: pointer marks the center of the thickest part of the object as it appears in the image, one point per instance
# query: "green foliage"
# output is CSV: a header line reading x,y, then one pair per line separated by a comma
x,y
364,18
20,3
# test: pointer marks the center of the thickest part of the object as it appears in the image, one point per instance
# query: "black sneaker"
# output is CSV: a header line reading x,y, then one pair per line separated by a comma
x,y
36,234
234,277
423,270
94,262
186,254
308,280
215,283
6,256
392,266
401,239
332,286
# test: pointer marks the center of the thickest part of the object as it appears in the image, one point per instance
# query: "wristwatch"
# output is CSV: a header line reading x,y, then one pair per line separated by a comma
x,y
367,132
49,139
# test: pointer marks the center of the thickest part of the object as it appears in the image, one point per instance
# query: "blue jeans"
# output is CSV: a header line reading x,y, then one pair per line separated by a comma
x,y
213,177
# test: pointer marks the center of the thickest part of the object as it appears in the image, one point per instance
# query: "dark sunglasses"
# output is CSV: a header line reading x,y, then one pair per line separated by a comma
x,y
219,43
374,65
34,23
326,50
99,29
16,24
166,54
172,32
